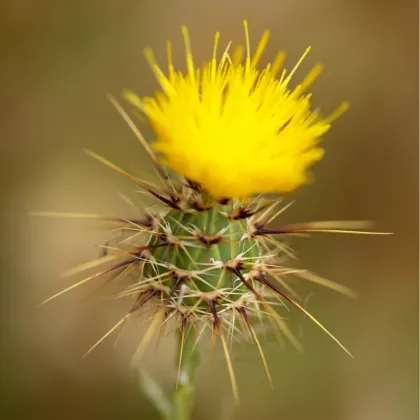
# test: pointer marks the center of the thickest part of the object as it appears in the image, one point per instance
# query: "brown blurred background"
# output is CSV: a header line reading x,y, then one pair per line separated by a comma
x,y
59,59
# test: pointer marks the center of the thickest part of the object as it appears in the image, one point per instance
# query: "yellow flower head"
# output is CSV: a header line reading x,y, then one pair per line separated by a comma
x,y
232,128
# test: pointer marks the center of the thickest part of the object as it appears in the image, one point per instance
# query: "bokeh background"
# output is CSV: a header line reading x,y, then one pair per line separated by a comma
x,y
58,61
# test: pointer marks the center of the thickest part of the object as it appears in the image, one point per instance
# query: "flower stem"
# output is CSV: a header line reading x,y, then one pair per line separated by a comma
x,y
183,395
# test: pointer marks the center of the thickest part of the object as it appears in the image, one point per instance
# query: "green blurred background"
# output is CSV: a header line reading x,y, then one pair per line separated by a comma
x,y
59,59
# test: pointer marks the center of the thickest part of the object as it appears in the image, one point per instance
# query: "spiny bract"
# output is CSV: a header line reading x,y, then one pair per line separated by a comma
x,y
213,265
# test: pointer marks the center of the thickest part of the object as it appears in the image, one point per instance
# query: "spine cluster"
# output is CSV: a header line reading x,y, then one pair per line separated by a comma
x,y
213,265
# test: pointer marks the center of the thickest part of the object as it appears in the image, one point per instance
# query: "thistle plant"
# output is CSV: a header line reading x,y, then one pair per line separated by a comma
x,y
230,142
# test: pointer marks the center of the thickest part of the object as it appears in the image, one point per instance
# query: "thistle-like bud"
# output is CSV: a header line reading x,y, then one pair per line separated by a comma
x,y
209,255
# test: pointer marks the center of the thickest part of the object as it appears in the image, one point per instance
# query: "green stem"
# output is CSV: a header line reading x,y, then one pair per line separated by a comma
x,y
183,395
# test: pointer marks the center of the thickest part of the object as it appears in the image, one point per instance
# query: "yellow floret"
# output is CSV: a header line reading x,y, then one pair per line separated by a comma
x,y
235,130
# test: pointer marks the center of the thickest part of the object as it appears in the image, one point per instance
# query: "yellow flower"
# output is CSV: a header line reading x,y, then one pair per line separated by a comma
x,y
232,128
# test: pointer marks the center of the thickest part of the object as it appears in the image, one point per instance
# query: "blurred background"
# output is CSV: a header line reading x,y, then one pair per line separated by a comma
x,y
58,61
